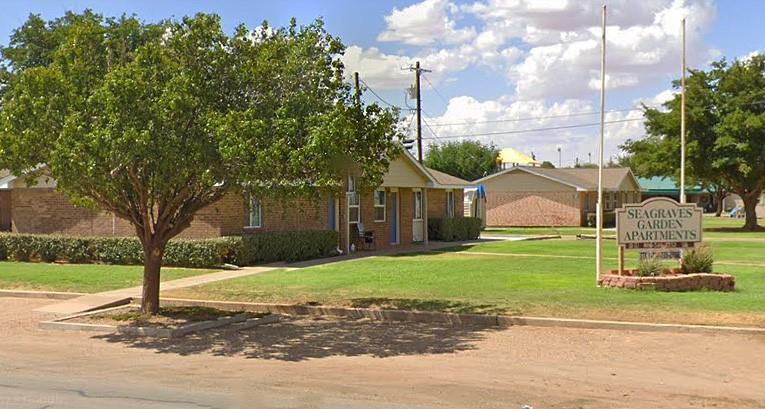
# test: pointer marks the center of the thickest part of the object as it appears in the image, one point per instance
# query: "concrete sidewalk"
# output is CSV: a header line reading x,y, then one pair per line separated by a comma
x,y
124,295
113,298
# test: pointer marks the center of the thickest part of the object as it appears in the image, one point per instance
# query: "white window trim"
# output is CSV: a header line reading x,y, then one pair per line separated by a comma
x,y
352,206
450,204
414,203
383,206
351,192
250,225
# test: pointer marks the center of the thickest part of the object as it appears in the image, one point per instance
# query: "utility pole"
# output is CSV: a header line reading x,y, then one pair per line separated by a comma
x,y
599,211
560,159
417,72
682,120
358,88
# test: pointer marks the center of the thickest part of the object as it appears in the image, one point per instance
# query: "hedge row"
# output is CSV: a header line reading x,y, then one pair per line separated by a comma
x,y
239,250
454,228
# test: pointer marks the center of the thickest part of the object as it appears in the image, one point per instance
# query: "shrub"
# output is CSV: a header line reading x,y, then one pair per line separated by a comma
x,y
286,246
454,228
698,260
650,267
241,250
197,253
609,219
116,250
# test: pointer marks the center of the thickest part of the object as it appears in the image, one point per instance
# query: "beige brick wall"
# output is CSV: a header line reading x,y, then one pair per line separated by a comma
x,y
533,209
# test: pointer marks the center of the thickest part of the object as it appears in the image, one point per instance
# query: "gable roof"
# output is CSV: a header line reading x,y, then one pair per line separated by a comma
x,y
447,179
580,178
436,178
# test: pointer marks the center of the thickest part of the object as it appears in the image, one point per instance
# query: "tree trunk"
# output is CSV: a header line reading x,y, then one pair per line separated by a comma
x,y
152,264
719,198
750,209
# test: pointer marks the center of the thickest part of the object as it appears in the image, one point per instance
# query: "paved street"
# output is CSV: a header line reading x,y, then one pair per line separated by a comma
x,y
359,364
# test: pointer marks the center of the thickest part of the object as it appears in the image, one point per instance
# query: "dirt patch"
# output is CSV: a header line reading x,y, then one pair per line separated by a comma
x,y
315,363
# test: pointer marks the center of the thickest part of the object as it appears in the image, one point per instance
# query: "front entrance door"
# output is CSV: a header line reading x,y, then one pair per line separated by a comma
x,y
393,216
418,233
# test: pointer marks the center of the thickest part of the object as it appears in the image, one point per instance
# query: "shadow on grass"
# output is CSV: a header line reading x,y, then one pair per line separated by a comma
x,y
759,229
298,339
410,304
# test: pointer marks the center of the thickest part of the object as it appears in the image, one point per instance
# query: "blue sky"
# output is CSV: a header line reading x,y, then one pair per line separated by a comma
x,y
498,66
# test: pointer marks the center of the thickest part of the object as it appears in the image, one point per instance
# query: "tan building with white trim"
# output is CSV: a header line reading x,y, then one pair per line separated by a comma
x,y
535,196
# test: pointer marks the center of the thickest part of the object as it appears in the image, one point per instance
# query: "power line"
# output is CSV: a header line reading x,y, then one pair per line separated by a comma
x,y
434,89
381,98
435,135
551,128
531,118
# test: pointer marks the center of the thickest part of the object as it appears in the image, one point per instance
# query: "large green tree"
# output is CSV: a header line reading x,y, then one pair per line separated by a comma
x,y
155,121
725,108
468,160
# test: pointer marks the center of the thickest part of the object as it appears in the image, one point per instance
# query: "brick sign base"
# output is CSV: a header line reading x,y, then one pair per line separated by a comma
x,y
669,282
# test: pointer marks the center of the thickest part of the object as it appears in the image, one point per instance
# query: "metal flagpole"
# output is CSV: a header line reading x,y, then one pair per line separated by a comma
x,y
682,120
599,211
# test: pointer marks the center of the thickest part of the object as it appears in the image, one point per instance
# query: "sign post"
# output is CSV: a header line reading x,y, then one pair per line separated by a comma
x,y
657,225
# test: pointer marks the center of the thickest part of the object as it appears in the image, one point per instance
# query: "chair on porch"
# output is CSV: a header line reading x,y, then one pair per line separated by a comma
x,y
364,239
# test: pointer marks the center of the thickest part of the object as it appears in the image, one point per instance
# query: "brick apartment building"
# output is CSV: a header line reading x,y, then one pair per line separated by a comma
x,y
396,212
535,196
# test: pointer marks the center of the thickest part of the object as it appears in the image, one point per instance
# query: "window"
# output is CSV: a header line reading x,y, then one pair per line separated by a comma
x,y
255,216
418,205
609,200
354,202
449,203
379,205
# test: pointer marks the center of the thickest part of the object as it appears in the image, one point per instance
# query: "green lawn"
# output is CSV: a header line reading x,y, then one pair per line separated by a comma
x,y
521,279
84,278
714,227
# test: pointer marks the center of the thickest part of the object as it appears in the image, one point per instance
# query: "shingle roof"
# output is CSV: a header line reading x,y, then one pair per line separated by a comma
x,y
447,179
581,178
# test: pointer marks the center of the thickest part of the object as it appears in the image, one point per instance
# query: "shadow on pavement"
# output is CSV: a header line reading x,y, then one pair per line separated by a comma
x,y
298,339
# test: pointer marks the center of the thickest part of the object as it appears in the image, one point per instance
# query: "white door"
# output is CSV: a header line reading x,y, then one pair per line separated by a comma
x,y
418,225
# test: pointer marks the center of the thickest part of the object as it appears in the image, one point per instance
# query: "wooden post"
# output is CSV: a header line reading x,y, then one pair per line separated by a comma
x,y
621,260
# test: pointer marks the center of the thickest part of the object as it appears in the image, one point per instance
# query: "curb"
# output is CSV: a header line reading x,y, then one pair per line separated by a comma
x,y
53,295
240,321
60,324
502,321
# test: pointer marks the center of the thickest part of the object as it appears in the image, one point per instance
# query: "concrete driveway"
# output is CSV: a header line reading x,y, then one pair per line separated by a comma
x,y
331,363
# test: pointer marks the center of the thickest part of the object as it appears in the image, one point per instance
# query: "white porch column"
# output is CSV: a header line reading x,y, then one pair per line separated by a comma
x,y
425,215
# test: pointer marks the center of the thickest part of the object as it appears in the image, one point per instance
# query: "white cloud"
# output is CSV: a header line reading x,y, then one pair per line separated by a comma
x,y
551,48
549,53
388,71
635,54
425,23
506,122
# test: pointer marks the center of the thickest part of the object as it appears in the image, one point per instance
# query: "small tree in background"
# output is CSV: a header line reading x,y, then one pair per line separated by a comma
x,y
153,122
547,164
469,160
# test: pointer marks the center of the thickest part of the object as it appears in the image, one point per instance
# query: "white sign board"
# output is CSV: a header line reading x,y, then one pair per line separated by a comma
x,y
658,223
